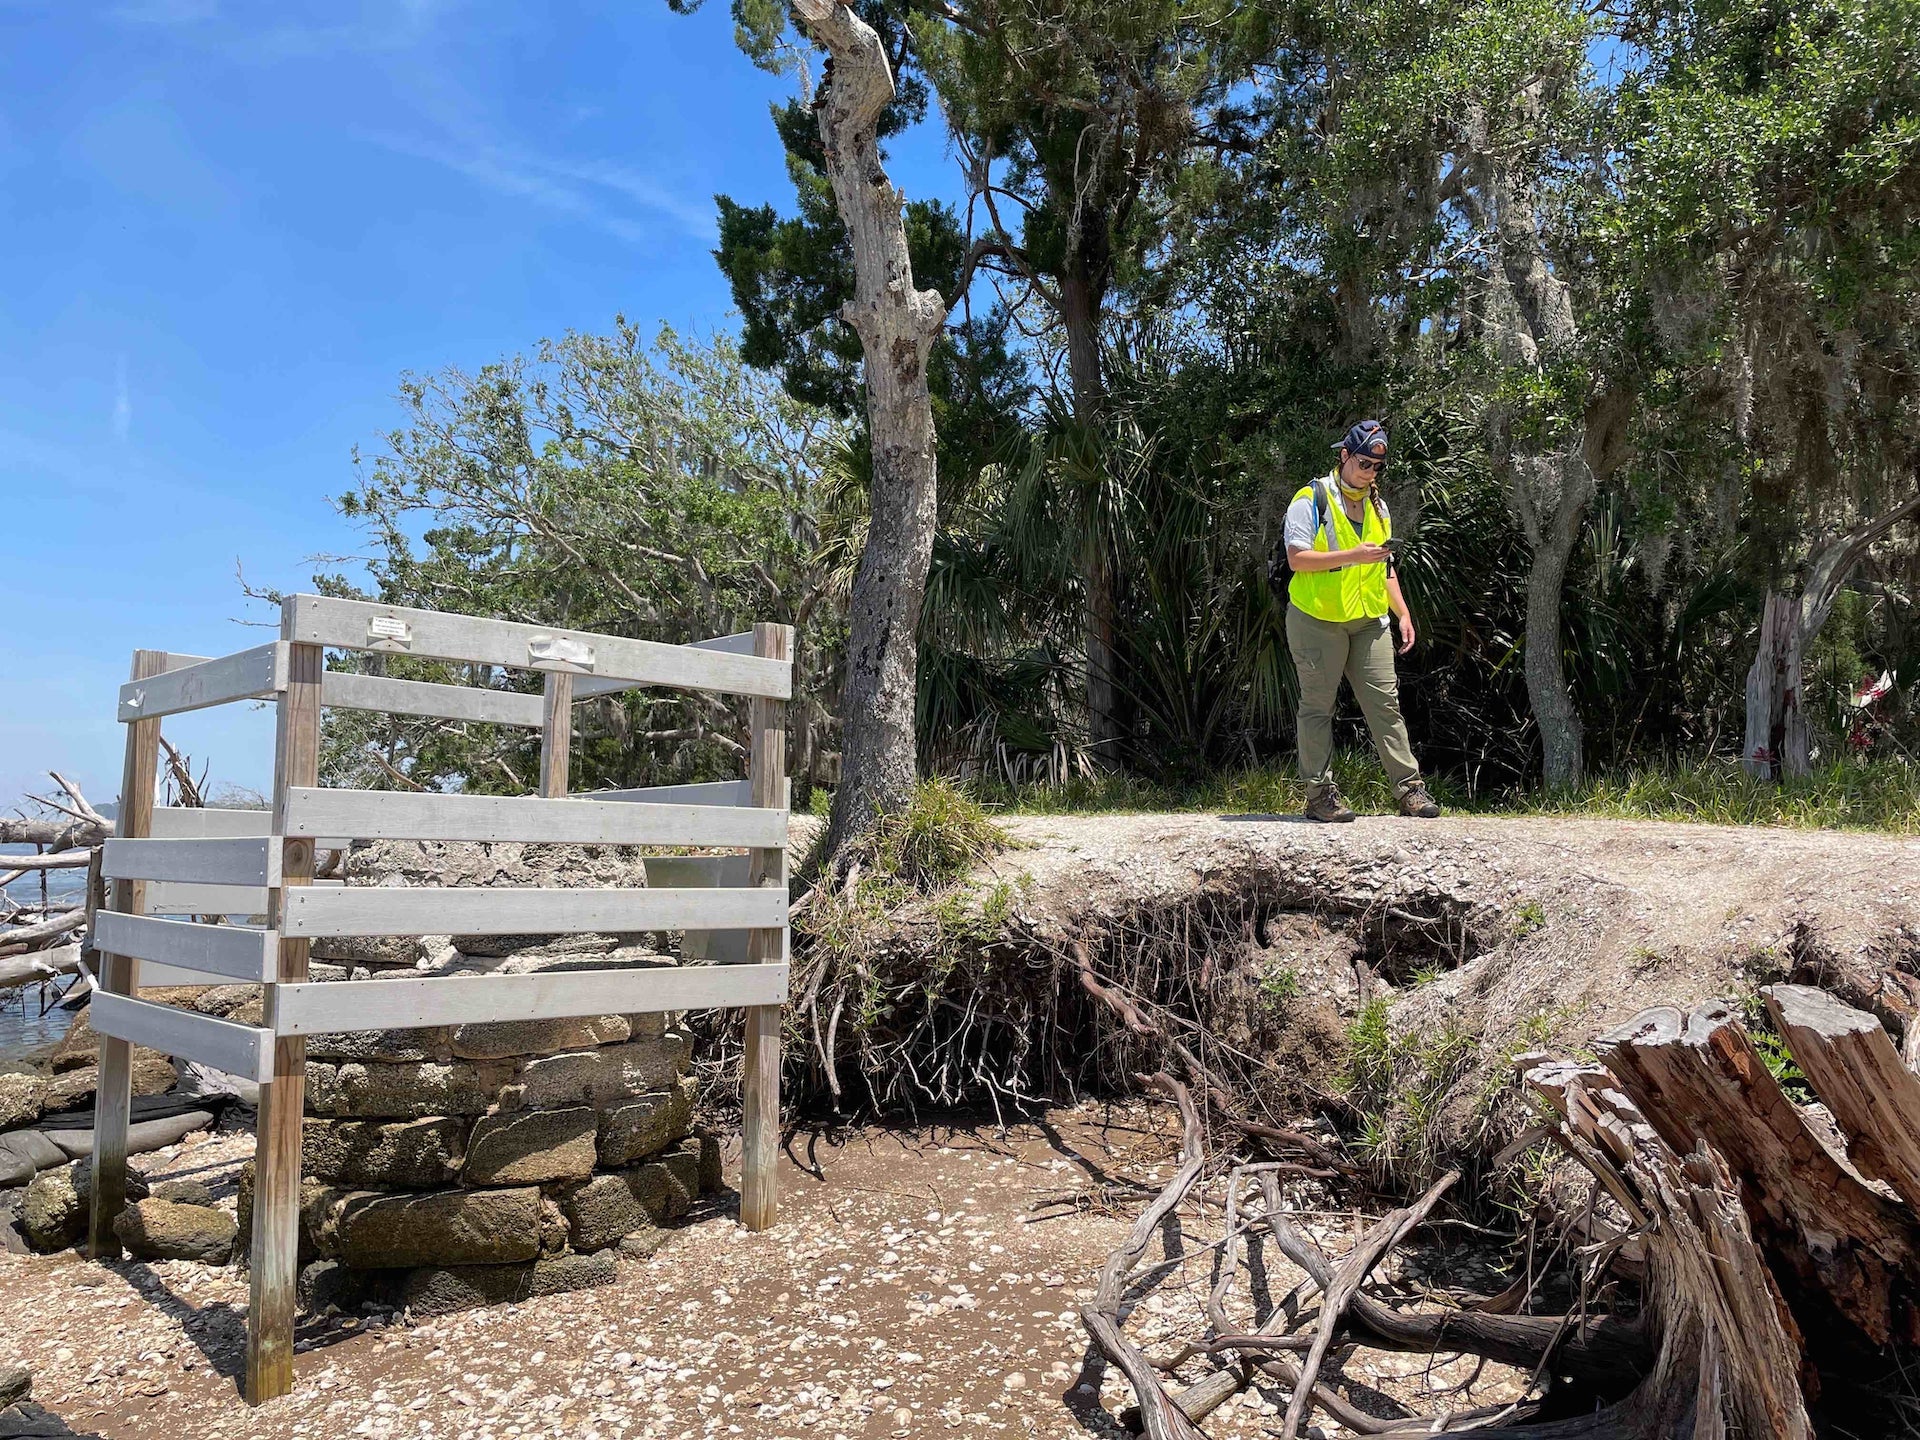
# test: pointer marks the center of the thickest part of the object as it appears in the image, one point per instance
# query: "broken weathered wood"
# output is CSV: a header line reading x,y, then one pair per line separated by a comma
x,y
1729,1351
1697,1078
1850,1061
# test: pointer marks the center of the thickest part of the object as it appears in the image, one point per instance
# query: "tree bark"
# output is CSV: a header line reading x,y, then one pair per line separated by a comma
x,y
1530,319
1779,742
897,325
1081,295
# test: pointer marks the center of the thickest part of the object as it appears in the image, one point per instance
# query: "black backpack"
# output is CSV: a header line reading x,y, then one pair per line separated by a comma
x,y
1279,564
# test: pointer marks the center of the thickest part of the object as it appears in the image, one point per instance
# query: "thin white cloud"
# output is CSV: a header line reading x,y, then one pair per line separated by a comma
x,y
122,401
569,187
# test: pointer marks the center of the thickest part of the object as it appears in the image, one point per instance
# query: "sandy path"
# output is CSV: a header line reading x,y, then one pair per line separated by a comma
x,y
903,1293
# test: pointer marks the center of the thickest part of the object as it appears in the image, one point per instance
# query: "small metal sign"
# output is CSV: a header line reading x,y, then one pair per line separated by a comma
x,y
555,652
389,632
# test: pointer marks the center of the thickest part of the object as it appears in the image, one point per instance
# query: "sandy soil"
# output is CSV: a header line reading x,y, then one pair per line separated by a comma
x,y
917,1285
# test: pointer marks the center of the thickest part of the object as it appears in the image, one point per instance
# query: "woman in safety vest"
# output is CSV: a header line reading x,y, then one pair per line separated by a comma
x,y
1342,589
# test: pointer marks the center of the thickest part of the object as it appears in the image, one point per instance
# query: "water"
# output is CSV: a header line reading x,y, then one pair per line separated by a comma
x,y
23,1029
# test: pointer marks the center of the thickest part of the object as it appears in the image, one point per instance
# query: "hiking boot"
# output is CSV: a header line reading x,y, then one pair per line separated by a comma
x,y
1417,803
1326,806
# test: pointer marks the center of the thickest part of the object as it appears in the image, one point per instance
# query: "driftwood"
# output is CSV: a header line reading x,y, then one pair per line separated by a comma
x,y
1101,1315
17,970
34,943
1771,1274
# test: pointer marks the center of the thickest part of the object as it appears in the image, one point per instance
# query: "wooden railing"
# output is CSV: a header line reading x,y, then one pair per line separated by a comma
x,y
259,866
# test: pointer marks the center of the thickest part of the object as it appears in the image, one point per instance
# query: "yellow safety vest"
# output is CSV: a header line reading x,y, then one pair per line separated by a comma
x,y
1353,592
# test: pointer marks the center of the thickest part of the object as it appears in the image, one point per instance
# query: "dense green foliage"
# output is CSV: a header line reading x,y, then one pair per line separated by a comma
x,y
1634,288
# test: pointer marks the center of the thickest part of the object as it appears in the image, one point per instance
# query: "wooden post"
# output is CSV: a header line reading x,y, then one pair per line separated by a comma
x,y
760,1082
276,1164
120,974
556,734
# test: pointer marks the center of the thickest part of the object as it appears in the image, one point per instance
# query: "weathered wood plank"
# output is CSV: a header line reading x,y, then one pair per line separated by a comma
x,y
167,897
342,691
235,951
711,792
1851,1063
360,625
245,675
174,822
354,910
276,1163
406,815
767,869
242,1050
556,734
231,861
589,686
321,1009
120,975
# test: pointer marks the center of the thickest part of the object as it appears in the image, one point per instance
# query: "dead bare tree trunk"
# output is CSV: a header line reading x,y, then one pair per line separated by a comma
x,y
897,325
1779,742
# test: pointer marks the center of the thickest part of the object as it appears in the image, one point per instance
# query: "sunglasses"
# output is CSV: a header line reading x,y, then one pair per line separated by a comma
x,y
1369,467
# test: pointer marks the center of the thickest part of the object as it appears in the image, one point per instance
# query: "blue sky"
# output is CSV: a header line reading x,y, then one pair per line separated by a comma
x,y
227,229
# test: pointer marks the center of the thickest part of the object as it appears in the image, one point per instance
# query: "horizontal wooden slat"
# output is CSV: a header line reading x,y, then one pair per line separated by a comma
x,y
192,823
715,947
404,815
361,625
241,1050
420,697
325,1008
165,897
246,675
589,686
232,861
357,910
234,951
710,792
195,823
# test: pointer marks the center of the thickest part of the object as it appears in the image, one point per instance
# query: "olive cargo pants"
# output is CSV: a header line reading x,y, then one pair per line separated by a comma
x,y
1361,650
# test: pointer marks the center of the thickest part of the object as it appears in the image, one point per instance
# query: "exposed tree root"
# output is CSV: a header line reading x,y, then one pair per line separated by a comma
x,y
1767,1269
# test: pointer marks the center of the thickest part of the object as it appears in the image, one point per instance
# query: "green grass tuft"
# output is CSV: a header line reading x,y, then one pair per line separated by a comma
x,y
1847,795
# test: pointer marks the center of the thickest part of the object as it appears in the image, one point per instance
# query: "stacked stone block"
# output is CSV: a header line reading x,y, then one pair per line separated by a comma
x,y
477,1163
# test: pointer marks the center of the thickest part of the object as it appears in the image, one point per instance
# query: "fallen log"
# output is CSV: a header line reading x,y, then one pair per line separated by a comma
x,y
45,929
17,970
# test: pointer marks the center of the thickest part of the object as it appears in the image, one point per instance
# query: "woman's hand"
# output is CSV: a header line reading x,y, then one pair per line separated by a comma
x,y
1407,633
1365,554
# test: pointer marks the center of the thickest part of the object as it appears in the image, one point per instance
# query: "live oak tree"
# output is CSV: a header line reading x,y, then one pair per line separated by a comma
x,y
1774,160
656,488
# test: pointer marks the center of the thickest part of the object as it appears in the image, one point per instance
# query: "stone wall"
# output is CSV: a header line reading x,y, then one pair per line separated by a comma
x,y
474,1163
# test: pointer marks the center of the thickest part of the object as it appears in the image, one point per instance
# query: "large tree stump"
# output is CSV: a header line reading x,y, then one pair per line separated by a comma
x,y
1729,1357
1832,1241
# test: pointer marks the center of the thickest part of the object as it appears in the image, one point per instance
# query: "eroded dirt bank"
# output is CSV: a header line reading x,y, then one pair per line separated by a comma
x,y
1491,935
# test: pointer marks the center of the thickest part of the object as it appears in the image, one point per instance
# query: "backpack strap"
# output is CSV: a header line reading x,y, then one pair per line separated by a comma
x,y
1323,517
